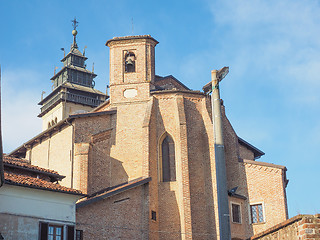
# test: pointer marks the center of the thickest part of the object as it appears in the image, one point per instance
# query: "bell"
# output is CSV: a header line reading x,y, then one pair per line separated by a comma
x,y
129,62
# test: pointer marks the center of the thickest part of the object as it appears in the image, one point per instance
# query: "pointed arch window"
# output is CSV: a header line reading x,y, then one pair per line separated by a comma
x,y
168,162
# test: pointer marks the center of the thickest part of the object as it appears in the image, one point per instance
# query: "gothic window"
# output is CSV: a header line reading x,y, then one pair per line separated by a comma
x,y
168,164
130,62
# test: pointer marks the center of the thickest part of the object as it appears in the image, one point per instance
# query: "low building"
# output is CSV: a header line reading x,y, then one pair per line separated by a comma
x,y
296,228
33,205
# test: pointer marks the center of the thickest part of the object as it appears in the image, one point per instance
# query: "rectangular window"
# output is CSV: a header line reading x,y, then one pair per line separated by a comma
x,y
154,215
257,215
236,213
55,232
79,234
50,231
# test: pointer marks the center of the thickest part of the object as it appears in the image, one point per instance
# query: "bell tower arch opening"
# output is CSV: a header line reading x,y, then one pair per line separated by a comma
x,y
129,63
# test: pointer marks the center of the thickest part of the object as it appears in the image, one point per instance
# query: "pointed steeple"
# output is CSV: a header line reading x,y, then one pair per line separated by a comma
x,y
74,57
73,87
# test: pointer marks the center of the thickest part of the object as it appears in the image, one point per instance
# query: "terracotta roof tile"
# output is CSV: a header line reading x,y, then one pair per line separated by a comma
x,y
20,162
28,181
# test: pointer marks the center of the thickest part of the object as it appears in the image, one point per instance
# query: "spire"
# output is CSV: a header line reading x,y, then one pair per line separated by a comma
x,y
74,32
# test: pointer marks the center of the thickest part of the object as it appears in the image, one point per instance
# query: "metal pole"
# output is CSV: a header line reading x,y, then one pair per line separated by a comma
x,y
1,151
221,177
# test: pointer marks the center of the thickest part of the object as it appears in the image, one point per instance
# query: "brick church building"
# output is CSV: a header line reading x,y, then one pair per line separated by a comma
x,y
145,154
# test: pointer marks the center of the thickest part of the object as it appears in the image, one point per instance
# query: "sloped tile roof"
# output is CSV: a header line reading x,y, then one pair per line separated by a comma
x,y
27,181
18,171
20,162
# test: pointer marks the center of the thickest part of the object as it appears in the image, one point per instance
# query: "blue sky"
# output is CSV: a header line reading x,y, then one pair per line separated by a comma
x,y
272,48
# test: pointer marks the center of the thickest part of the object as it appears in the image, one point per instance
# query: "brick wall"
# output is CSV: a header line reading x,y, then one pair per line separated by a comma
x,y
245,153
92,163
297,228
266,185
123,216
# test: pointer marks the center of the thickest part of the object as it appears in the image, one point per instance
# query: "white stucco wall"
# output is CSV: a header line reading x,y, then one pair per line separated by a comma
x,y
37,203
22,209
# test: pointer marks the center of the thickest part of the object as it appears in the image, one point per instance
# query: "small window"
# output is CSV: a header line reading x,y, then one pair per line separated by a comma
x,y
79,234
257,215
55,232
236,213
154,215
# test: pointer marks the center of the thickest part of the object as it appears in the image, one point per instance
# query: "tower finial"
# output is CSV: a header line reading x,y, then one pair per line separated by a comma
x,y
74,32
74,23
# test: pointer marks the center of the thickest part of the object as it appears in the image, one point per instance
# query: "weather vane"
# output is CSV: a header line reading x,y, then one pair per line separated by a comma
x,y
74,23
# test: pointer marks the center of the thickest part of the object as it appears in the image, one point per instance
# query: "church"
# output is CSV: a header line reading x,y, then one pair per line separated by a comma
x,y
144,153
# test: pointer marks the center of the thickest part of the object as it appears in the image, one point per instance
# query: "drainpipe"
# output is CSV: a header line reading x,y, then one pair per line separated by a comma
x,y
72,150
221,176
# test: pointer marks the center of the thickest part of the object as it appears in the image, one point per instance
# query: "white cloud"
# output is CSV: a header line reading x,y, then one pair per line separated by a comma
x,y
19,107
279,39
274,47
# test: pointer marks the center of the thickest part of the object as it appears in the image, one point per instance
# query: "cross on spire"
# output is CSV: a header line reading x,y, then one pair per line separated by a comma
x,y
74,32
74,23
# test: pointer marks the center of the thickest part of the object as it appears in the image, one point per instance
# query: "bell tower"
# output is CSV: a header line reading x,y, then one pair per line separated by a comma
x,y
132,68
72,88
